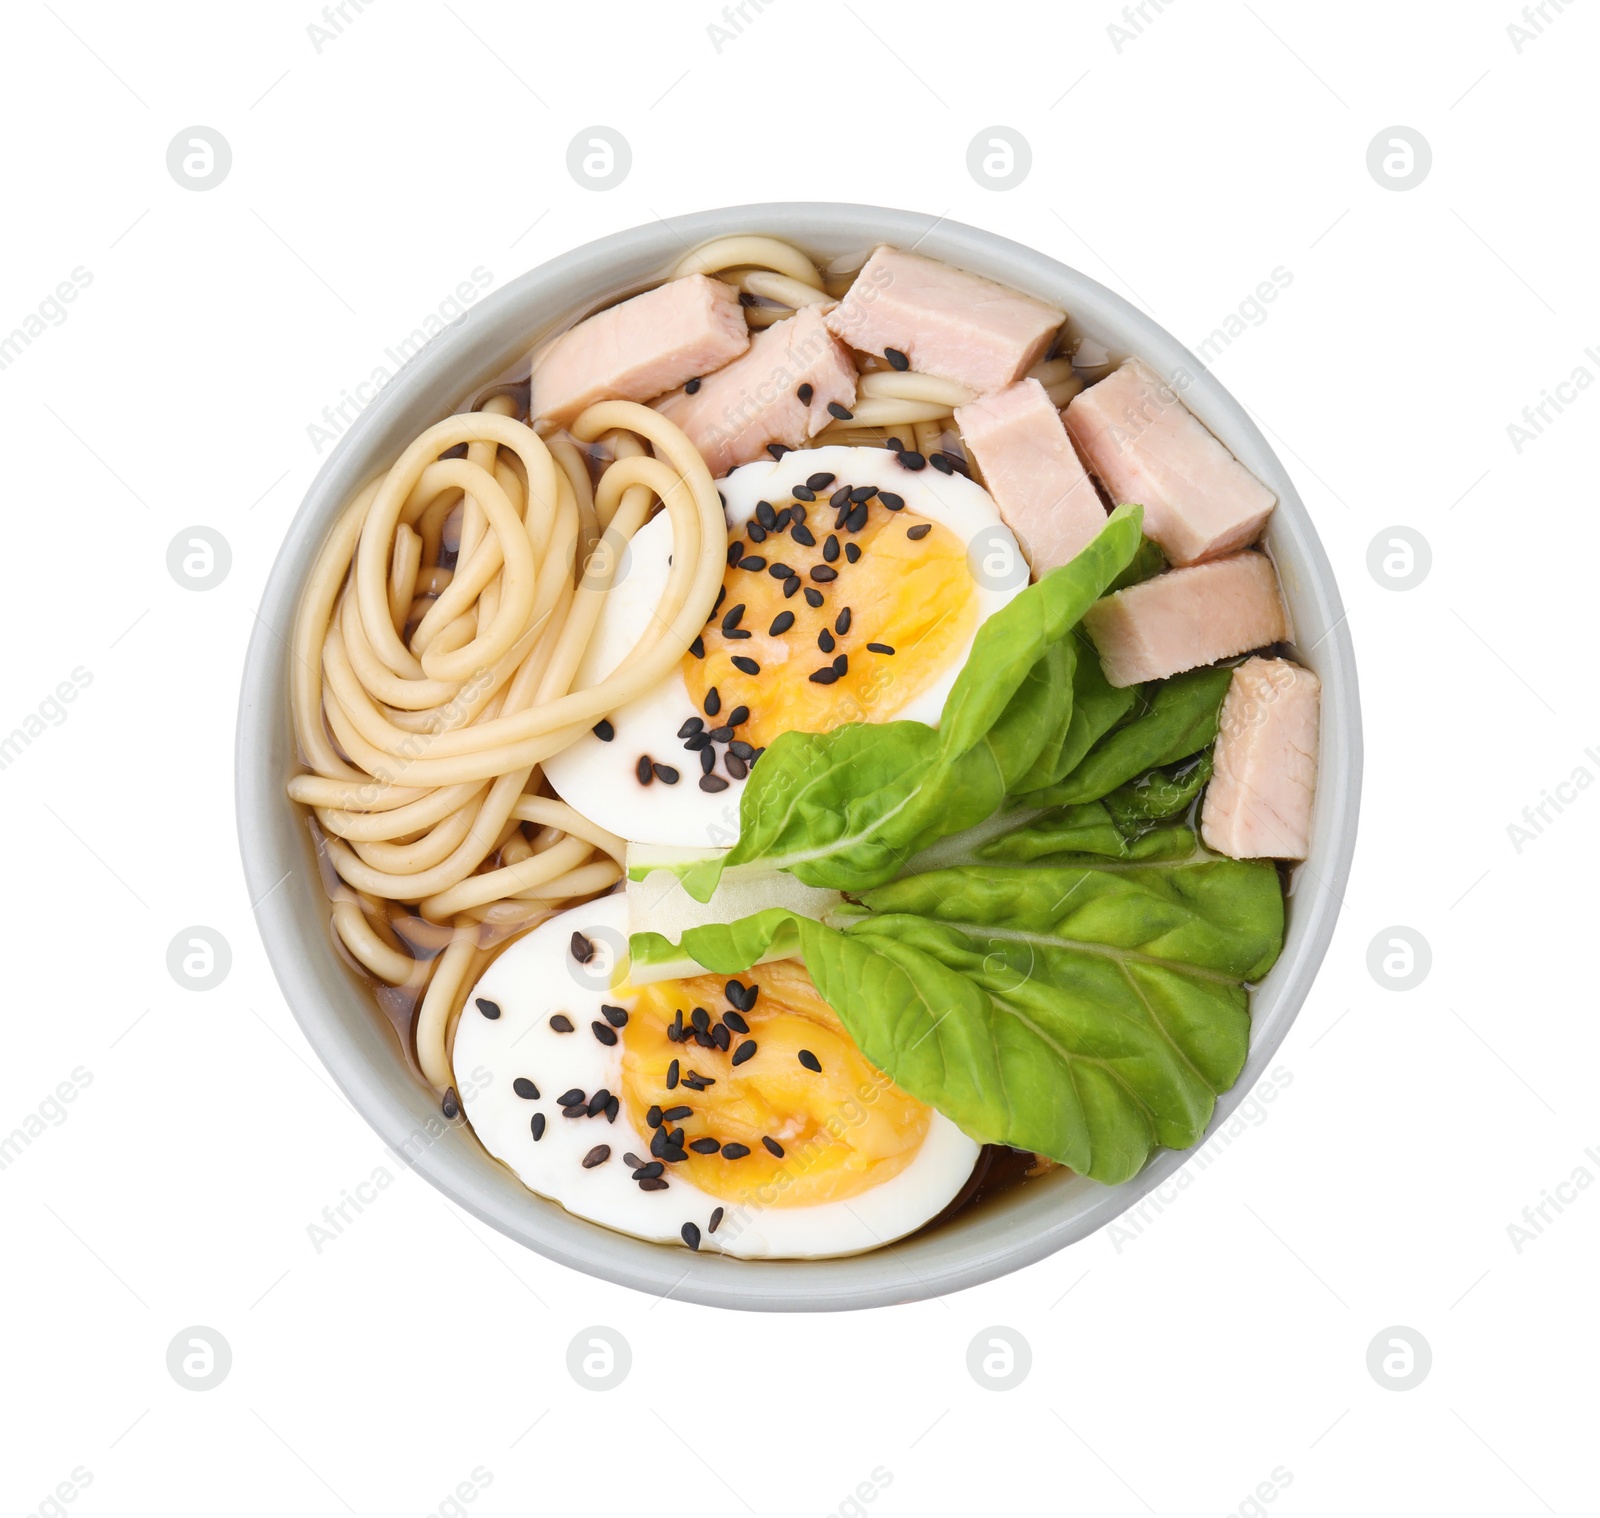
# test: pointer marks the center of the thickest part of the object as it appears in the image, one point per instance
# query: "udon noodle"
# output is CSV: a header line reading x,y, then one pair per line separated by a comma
x,y
430,681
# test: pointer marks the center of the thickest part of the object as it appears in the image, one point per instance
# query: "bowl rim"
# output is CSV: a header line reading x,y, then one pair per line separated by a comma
x,y
349,1035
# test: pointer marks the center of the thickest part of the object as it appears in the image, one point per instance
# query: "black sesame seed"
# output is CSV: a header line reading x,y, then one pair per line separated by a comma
x,y
677,1024
766,515
632,1161
578,1109
701,1019
597,1103
613,1107
823,574
658,1143
734,990
713,783
818,481
813,597
697,648
825,641
561,1023
804,537
777,450
737,632
841,665
643,770
712,703
597,1156
653,1117
772,1146
571,1098
919,532
652,1185
912,460
604,731
840,497
451,1105
536,1125
673,1156
839,413
582,949
644,1171
720,734
810,1061
716,1219
737,1023
735,766
941,463
490,1009
757,533
790,586
731,619
857,519
804,394
691,386
863,493
721,1038
735,553
665,774
750,995
795,514
752,562
525,1088
705,1146
897,360
823,677
830,549
841,623
892,502
696,743
691,1235
708,758
672,1075
781,624
780,571
746,665
852,551
735,1151
741,750
722,595
608,1035
956,463
804,493
676,1114
879,648
704,1040
894,445
691,727
745,1051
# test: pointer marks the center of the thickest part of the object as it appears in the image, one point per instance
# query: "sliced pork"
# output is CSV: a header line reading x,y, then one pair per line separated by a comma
x,y
1044,493
1258,803
641,348
778,392
1188,617
1147,446
947,322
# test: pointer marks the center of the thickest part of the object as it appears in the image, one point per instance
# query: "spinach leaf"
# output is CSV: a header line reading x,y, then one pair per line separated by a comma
x,y
846,808
1087,1008
1171,720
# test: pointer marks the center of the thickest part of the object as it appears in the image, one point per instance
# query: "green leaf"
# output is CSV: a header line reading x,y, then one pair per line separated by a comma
x,y
846,808
1148,562
1159,793
1088,1009
1171,720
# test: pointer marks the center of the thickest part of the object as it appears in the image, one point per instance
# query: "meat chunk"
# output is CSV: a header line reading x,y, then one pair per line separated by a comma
x,y
1258,804
956,325
641,348
1188,617
1044,493
1147,446
756,400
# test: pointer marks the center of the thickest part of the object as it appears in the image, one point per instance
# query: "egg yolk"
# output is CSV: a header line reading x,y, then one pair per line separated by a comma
x,y
887,626
834,1132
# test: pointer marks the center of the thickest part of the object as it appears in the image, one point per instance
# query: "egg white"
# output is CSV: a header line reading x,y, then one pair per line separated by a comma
x,y
537,978
599,778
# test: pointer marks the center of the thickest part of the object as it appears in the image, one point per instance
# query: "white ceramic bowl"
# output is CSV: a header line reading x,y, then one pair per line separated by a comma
x,y
357,1043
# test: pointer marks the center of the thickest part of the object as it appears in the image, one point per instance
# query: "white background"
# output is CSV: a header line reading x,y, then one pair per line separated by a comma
x,y
1173,1372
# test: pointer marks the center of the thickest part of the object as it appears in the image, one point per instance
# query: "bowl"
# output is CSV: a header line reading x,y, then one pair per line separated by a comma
x,y
358,1044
